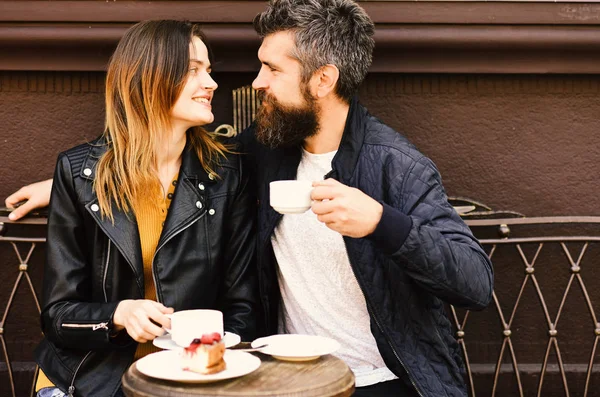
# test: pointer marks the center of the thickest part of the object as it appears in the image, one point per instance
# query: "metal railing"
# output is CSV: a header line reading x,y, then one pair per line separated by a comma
x,y
524,251
23,248
552,248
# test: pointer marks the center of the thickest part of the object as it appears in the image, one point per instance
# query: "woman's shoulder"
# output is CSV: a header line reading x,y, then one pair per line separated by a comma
x,y
229,165
79,155
96,145
232,158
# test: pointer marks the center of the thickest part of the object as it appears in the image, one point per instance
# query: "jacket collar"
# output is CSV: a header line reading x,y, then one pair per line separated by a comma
x,y
188,205
345,160
189,202
282,163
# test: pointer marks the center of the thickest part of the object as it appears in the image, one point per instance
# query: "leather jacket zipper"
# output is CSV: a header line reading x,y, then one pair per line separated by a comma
x,y
175,233
106,272
71,391
372,313
94,327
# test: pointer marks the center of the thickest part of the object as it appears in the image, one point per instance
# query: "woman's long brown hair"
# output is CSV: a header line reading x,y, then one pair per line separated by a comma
x,y
145,76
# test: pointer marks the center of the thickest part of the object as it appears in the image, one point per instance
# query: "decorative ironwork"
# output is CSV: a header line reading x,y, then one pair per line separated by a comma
x,y
225,130
537,242
245,106
23,258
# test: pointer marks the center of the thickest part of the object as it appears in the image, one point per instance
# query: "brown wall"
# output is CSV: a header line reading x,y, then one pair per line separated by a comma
x,y
520,142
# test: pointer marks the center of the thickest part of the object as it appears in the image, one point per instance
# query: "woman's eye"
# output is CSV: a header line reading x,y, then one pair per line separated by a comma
x,y
193,70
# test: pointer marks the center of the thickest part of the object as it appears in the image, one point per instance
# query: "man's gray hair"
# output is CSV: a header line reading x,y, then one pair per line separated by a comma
x,y
337,32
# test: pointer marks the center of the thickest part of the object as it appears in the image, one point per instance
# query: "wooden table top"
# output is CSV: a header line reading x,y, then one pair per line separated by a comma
x,y
323,377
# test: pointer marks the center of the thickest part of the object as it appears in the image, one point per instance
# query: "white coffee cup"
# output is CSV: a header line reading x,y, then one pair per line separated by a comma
x,y
290,197
186,325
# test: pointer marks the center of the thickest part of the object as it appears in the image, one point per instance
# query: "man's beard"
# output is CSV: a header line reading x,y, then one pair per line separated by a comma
x,y
279,125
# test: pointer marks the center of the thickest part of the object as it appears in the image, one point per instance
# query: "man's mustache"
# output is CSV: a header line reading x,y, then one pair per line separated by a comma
x,y
265,97
261,95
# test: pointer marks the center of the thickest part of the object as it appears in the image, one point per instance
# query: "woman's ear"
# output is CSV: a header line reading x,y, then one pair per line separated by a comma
x,y
326,78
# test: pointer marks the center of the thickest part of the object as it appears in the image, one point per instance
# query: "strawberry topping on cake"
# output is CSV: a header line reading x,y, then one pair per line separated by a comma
x,y
204,355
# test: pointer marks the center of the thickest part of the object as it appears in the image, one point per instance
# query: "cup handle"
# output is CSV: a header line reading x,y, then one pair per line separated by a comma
x,y
168,330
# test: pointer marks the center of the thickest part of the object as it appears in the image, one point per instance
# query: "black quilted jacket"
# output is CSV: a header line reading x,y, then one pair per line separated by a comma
x,y
420,256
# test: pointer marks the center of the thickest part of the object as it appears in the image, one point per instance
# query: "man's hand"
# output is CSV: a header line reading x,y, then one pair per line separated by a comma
x,y
344,209
136,315
37,196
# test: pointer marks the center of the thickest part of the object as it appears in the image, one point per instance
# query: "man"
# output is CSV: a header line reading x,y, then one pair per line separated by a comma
x,y
382,250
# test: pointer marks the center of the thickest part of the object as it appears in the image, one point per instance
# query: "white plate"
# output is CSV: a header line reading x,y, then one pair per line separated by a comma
x,y
167,365
294,347
165,342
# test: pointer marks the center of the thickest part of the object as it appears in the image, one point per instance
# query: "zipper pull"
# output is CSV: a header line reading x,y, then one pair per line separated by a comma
x,y
96,327
71,391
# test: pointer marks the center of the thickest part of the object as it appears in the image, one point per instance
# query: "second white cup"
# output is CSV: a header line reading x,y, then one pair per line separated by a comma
x,y
186,325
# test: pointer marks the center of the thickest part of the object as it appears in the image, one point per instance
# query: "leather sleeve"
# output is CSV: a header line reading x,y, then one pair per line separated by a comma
x,y
239,292
69,317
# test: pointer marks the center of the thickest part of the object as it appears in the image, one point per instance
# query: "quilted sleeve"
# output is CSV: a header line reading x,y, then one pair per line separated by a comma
x,y
436,248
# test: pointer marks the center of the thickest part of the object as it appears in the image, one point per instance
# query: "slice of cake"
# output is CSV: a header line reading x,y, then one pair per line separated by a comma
x,y
204,355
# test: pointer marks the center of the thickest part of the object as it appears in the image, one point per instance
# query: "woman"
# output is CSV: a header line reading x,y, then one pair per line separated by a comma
x,y
152,217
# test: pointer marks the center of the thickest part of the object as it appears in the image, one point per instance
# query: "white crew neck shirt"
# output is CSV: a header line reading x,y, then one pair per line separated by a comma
x,y
320,294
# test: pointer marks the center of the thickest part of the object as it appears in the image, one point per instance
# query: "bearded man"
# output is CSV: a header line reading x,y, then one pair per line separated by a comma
x,y
381,250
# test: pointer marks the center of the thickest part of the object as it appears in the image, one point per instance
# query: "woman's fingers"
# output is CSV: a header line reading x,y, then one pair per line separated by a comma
x,y
140,318
138,334
143,315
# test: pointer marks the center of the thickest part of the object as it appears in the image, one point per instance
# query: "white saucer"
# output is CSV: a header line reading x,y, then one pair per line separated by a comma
x,y
166,365
165,342
294,347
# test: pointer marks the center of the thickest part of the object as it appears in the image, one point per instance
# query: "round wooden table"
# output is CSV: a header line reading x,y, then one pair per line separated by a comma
x,y
326,376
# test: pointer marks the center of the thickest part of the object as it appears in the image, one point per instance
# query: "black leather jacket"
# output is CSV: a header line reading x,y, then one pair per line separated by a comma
x,y
205,259
420,256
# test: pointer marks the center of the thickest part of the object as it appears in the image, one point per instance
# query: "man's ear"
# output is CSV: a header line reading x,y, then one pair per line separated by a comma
x,y
325,80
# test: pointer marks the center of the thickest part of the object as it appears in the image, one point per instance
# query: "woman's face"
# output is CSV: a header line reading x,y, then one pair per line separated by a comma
x,y
193,107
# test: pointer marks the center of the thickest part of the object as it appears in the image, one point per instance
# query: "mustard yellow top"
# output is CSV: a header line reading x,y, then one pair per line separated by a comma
x,y
150,220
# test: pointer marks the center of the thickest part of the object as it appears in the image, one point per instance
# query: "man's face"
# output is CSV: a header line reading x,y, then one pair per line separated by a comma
x,y
289,112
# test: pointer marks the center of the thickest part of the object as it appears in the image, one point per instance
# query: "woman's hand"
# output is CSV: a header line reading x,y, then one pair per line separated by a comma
x,y
37,195
139,318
